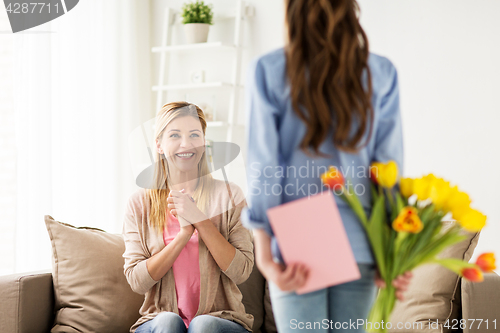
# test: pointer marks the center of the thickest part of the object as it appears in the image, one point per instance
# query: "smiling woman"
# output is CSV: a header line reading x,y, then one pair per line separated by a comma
x,y
185,247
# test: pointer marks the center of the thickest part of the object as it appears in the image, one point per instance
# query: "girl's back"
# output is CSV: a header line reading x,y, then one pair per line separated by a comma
x,y
280,171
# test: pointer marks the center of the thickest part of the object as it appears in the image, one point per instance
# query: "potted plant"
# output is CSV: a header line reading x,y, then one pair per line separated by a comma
x,y
197,18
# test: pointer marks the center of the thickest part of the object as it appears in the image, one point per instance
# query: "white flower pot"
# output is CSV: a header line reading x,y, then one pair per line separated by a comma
x,y
196,32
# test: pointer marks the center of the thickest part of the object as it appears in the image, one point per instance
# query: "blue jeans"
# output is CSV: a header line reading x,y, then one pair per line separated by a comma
x,y
332,309
170,322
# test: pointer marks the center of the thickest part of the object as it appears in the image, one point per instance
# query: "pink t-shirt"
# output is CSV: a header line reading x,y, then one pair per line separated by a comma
x,y
186,271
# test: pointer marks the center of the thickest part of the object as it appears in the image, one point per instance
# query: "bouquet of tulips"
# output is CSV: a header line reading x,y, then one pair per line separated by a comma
x,y
404,227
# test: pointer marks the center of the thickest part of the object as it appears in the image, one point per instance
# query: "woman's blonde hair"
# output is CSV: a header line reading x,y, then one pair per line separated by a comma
x,y
157,195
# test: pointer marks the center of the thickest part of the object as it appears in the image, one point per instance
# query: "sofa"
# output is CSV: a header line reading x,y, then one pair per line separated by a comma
x,y
73,293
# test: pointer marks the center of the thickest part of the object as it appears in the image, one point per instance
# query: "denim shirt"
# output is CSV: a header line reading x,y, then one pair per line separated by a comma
x,y
278,171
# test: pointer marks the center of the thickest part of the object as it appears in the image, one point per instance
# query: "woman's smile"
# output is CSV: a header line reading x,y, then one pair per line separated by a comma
x,y
185,155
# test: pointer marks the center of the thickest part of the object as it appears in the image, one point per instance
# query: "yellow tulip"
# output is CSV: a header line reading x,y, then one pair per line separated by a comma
x,y
472,220
408,221
406,187
384,174
458,203
422,186
440,192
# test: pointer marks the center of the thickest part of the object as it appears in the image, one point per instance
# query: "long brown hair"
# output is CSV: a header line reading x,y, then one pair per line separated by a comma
x,y
157,196
326,53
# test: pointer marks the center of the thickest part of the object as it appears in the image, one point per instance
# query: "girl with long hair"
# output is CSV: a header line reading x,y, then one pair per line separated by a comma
x,y
323,99
185,247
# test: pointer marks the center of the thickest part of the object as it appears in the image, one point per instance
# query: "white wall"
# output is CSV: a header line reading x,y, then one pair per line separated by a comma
x,y
445,53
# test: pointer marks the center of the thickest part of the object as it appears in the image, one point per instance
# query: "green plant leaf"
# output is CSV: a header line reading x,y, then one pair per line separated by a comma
x,y
197,12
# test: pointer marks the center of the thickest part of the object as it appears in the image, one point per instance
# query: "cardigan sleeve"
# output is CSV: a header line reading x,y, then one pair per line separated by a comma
x,y
135,255
241,238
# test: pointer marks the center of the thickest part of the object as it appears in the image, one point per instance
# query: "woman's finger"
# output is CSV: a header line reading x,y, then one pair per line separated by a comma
x,y
175,200
175,194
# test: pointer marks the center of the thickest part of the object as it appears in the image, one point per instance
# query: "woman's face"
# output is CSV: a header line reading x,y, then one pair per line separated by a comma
x,y
182,143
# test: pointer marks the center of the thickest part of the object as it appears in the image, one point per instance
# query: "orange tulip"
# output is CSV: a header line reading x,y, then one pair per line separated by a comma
x,y
408,221
486,262
333,178
473,274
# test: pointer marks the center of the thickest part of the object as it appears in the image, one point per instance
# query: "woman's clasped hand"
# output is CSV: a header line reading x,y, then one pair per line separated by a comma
x,y
181,205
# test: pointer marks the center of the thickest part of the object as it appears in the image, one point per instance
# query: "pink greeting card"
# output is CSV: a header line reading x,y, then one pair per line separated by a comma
x,y
310,231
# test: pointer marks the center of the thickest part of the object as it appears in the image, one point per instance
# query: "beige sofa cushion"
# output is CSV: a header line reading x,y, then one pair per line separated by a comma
x,y
91,291
434,292
26,302
257,301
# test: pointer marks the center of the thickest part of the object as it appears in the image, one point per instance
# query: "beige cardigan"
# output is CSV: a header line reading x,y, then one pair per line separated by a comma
x,y
219,294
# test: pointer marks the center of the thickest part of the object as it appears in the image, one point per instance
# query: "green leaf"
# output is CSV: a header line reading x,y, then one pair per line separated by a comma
x,y
453,264
378,233
353,201
426,212
425,235
374,192
400,203
434,248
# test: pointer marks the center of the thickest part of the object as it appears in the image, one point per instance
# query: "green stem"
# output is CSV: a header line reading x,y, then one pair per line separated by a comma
x,y
390,198
381,310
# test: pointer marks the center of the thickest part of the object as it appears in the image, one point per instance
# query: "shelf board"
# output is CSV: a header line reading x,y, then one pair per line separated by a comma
x,y
193,86
196,46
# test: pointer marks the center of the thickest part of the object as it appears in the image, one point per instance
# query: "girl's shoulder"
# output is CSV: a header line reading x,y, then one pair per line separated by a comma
x,y
383,72
272,57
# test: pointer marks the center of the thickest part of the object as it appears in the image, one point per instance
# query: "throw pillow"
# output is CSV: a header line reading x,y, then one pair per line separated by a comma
x,y
91,291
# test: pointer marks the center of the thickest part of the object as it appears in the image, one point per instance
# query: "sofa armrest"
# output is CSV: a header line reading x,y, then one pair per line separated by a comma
x,y
27,302
481,300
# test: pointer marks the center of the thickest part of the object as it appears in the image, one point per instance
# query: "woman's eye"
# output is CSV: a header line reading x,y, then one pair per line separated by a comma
x,y
195,135
174,135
